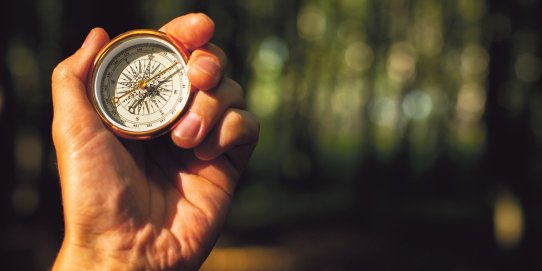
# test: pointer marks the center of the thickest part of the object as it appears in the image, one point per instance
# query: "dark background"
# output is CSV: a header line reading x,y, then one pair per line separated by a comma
x,y
395,134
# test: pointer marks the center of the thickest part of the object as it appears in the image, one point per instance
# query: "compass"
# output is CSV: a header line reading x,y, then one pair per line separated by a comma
x,y
139,84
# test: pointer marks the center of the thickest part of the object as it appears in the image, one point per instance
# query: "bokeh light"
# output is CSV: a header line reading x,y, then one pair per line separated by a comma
x,y
358,56
417,105
528,68
508,220
402,62
311,23
386,129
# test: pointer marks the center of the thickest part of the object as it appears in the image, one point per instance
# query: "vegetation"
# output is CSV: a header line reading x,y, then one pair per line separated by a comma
x,y
395,134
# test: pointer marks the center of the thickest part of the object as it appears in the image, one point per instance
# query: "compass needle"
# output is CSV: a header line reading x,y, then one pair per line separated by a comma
x,y
163,71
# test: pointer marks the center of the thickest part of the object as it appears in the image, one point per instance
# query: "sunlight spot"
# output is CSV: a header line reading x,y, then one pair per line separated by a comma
x,y
508,221
471,101
528,68
474,61
402,62
417,105
358,56
383,112
24,200
271,56
311,23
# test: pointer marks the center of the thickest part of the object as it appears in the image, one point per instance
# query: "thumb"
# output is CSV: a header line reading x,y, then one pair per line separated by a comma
x,y
73,114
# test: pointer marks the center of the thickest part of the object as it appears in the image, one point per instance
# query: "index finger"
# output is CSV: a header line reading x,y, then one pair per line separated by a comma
x,y
192,30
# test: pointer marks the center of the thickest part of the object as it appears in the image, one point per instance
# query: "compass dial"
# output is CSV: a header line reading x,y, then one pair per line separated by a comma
x,y
139,85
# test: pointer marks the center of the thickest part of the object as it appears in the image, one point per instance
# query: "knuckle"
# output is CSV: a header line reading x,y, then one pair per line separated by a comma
x,y
222,56
245,124
257,127
54,130
236,118
218,52
254,127
235,93
233,84
58,129
205,104
60,72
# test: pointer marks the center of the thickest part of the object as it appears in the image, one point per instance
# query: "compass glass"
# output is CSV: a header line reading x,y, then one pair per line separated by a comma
x,y
140,86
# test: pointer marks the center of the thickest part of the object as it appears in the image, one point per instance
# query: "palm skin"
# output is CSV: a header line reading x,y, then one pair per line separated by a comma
x,y
151,199
154,204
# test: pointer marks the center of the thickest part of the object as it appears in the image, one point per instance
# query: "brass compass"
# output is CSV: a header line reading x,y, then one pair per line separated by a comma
x,y
139,84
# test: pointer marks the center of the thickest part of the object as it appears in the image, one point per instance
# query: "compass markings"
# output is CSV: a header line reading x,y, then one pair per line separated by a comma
x,y
148,70
133,71
160,95
128,77
155,68
162,90
144,65
147,106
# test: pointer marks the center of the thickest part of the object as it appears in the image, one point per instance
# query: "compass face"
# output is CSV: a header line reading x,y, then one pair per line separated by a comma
x,y
139,85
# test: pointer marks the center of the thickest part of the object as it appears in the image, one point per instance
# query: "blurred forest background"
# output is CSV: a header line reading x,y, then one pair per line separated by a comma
x,y
396,135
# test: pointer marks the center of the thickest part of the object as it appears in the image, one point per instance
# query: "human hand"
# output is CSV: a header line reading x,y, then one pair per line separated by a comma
x,y
154,204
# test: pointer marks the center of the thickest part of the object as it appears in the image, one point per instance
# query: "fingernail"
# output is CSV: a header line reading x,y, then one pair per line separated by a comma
x,y
189,126
89,38
207,65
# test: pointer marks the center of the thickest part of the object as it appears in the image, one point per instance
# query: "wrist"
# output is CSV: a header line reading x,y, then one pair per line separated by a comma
x,y
78,257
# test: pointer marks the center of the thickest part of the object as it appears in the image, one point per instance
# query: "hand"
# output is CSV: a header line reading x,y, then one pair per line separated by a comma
x,y
153,204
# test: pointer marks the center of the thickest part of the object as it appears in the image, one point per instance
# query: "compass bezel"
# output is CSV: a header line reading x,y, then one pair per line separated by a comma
x,y
99,68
